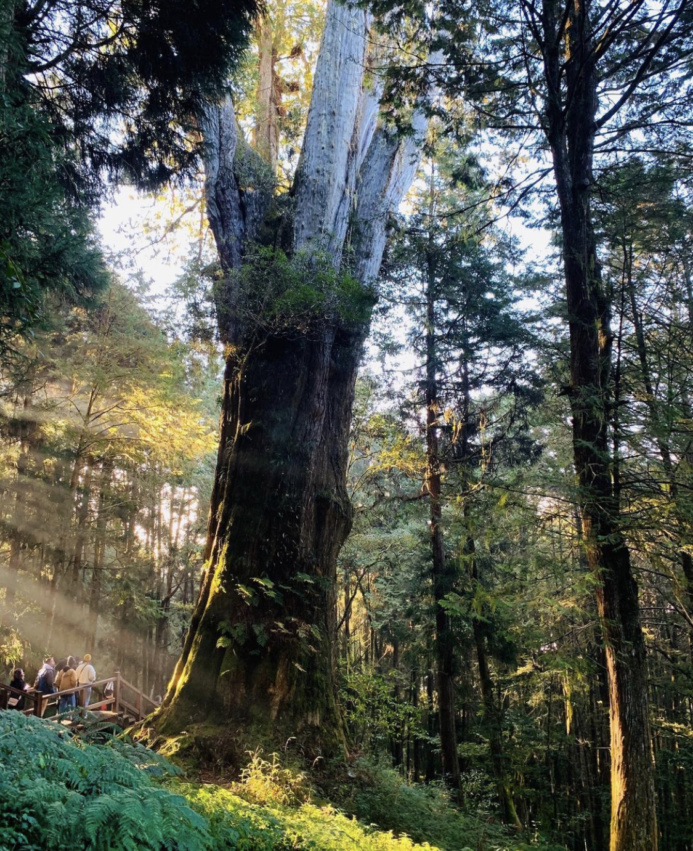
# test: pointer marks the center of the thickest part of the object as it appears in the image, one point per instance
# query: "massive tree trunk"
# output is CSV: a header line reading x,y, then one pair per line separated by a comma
x,y
259,653
571,130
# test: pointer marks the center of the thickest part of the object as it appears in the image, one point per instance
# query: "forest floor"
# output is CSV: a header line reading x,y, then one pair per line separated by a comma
x,y
363,807
66,793
280,802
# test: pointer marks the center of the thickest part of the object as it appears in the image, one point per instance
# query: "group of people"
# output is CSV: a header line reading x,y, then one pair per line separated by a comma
x,y
68,674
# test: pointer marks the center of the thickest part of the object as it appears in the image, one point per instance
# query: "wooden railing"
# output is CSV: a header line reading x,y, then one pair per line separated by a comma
x,y
125,700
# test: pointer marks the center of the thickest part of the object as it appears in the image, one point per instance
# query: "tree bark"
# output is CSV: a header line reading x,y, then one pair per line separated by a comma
x,y
266,132
99,553
443,569
571,135
492,712
259,652
279,515
18,534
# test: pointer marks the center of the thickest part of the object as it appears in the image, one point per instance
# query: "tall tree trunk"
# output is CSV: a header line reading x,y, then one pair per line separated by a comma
x,y
99,554
266,131
660,433
443,569
18,533
280,512
81,534
493,715
265,618
431,725
259,651
571,135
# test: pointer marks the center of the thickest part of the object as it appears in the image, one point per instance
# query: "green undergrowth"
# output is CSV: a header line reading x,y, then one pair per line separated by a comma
x,y
378,795
62,792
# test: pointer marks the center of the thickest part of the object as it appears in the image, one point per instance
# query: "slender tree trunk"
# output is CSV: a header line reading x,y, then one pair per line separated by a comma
x,y
266,131
658,429
81,535
99,554
493,716
431,719
415,695
443,569
7,13
571,135
18,533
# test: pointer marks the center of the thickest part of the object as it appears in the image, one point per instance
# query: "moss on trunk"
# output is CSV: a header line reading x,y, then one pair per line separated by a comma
x,y
259,654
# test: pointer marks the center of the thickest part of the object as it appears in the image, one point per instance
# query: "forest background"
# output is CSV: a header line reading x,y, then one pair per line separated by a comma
x,y
465,592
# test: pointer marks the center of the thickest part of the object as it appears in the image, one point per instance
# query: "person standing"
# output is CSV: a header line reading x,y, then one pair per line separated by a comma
x,y
86,675
66,680
18,683
45,681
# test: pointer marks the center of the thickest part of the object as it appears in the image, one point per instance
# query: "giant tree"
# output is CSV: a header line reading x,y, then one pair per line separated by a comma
x,y
293,306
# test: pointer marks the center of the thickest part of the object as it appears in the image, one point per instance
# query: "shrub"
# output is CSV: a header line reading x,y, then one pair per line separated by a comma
x,y
268,782
237,825
58,793
277,294
379,796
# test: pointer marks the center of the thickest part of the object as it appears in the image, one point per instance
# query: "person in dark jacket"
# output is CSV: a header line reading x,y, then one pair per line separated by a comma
x,y
16,701
45,680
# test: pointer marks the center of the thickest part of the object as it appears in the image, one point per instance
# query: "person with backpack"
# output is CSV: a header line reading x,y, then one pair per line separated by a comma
x,y
86,675
45,679
65,680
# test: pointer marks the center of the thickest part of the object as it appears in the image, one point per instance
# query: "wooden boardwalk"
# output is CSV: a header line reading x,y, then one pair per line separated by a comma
x,y
125,705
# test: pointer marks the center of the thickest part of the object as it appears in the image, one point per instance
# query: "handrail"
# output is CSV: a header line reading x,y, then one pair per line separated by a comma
x,y
104,701
133,710
42,701
28,694
34,691
81,687
16,690
153,703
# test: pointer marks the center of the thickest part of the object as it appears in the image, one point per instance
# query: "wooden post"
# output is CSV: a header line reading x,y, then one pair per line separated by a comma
x,y
116,693
38,703
140,716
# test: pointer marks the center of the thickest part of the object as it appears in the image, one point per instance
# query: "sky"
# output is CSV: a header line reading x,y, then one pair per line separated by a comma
x,y
125,240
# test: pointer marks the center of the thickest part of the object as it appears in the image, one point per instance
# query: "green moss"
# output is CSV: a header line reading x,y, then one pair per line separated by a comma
x,y
275,293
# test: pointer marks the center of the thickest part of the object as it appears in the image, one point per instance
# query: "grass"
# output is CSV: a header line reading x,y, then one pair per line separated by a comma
x,y
61,793
274,808
237,825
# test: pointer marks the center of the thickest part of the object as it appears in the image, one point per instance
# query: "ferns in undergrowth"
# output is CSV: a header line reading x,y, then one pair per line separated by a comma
x,y
57,793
